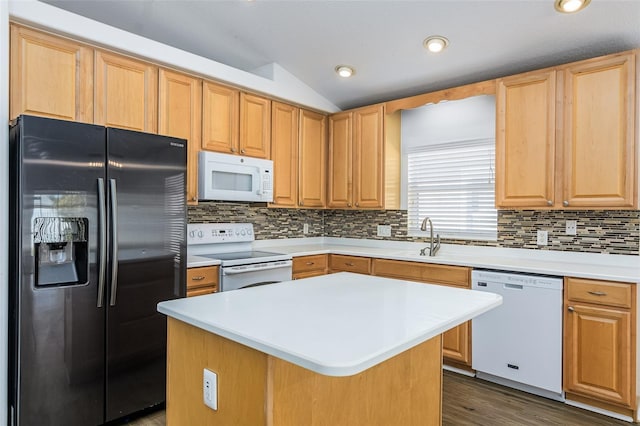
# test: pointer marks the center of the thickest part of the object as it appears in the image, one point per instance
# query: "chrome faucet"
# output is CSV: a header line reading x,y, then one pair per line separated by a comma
x,y
432,250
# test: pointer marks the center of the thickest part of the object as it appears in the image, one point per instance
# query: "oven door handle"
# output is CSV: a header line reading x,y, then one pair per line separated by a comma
x,y
252,268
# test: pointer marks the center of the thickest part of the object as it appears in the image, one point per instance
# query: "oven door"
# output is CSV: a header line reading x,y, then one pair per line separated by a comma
x,y
243,276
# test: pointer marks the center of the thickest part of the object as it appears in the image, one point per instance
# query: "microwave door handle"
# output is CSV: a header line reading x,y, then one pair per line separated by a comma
x,y
232,271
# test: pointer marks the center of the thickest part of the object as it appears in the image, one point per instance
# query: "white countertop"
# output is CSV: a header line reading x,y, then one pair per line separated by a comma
x,y
336,325
194,261
613,267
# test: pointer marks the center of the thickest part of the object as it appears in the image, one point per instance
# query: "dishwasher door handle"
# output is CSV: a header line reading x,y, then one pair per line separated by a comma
x,y
514,286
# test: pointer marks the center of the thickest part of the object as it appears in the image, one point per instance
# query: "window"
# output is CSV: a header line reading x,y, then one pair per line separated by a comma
x,y
453,184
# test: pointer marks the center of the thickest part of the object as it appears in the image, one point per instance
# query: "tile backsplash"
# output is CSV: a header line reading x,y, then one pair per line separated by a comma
x,y
598,231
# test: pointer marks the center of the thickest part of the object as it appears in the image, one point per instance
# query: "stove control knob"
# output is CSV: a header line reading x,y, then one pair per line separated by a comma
x,y
200,234
242,232
249,231
192,234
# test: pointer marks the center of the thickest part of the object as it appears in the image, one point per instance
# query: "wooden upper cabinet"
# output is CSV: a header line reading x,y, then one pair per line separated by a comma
x,y
284,153
220,113
599,139
126,93
368,157
566,136
255,126
312,159
180,115
364,159
525,140
340,186
50,76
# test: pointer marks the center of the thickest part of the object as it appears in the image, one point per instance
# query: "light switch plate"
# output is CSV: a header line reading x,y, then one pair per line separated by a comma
x,y
543,238
384,230
571,227
210,389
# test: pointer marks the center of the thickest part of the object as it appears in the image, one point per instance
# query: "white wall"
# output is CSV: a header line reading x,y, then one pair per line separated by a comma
x,y
4,220
465,119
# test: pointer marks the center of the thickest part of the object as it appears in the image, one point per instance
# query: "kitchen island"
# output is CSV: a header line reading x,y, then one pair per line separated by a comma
x,y
341,349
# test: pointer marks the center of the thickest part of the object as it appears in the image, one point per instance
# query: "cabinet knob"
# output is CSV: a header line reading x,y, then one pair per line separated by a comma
x,y
197,278
194,199
348,204
302,203
570,309
565,203
310,263
598,293
242,151
357,205
349,264
233,150
549,202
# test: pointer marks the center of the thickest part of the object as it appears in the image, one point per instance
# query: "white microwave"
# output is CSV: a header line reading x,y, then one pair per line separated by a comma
x,y
234,178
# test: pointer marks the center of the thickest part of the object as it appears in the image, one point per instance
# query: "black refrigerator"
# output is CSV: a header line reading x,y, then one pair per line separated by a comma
x,y
97,238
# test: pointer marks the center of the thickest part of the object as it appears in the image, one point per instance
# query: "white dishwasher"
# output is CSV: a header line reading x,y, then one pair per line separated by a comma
x,y
519,343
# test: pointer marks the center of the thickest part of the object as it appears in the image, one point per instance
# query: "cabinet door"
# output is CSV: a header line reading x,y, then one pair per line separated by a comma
x,y
597,353
255,126
339,193
180,106
368,157
525,140
456,344
284,153
599,140
50,76
126,93
220,112
312,161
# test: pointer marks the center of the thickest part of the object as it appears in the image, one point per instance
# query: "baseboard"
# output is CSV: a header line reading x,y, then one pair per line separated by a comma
x,y
468,373
599,410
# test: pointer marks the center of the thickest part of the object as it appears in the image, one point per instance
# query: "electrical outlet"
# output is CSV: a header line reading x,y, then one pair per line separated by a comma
x,y
210,389
305,228
384,230
571,227
543,238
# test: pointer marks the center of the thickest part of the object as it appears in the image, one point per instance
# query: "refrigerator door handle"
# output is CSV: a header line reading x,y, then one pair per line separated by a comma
x,y
102,226
114,242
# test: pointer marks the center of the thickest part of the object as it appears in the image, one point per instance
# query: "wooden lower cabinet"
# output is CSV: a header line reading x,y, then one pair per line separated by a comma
x,y
342,263
202,280
309,266
456,343
599,344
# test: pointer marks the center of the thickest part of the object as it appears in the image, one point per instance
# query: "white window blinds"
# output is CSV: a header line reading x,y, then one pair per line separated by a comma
x,y
453,184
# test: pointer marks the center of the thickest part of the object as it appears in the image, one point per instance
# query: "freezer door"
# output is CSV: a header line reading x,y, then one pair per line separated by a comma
x,y
146,180
56,327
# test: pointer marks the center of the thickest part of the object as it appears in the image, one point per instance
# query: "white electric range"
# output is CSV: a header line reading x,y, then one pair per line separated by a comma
x,y
240,265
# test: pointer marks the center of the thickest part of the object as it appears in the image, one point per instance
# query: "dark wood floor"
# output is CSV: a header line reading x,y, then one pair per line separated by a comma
x,y
473,402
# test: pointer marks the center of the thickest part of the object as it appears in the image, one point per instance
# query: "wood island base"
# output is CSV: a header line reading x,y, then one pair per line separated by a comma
x,y
258,389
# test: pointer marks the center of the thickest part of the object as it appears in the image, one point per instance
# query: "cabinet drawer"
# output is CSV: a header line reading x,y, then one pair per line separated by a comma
x,y
341,263
201,290
316,262
423,272
599,292
202,277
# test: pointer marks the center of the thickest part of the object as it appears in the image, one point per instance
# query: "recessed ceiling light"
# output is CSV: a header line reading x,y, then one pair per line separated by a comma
x,y
345,71
571,6
435,44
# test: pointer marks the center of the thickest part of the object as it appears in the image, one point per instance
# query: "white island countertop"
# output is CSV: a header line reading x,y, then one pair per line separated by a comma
x,y
336,325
